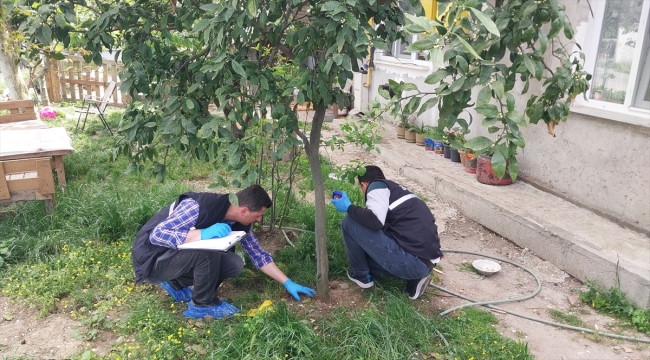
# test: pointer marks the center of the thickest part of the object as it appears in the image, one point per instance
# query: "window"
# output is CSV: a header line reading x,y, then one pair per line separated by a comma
x,y
618,55
397,49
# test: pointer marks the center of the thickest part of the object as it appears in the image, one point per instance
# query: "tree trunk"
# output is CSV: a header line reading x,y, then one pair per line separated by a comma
x,y
11,72
312,150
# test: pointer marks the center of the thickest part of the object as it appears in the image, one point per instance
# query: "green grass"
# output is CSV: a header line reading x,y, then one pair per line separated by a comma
x,y
566,318
615,303
77,263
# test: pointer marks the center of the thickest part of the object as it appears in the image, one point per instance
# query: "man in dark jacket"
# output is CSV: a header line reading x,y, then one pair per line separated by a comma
x,y
395,234
196,217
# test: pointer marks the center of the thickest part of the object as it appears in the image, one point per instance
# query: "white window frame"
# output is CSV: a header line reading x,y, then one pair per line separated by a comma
x,y
397,56
629,111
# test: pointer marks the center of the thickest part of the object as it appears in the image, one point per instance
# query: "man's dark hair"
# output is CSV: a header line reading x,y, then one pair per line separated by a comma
x,y
254,198
372,173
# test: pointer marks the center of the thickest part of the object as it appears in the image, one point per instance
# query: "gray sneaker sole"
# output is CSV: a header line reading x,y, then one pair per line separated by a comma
x,y
422,287
361,285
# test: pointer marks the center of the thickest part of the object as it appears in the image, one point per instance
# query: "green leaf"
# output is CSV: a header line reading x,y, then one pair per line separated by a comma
x,y
238,68
60,20
468,47
210,7
513,168
488,110
193,88
423,22
437,57
484,96
478,143
510,101
252,7
517,117
498,163
457,84
47,34
489,121
189,104
497,86
530,64
427,105
543,40
57,56
201,25
489,25
436,77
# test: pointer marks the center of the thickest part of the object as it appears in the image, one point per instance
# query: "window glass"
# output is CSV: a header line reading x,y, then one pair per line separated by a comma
x,y
618,38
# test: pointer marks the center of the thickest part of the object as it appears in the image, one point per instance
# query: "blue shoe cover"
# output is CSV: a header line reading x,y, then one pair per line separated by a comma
x,y
184,295
219,312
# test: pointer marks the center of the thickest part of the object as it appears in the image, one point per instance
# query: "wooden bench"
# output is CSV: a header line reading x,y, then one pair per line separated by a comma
x,y
29,151
22,116
28,179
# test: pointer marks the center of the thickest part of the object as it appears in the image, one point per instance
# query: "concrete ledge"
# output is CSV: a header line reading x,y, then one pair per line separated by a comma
x,y
578,241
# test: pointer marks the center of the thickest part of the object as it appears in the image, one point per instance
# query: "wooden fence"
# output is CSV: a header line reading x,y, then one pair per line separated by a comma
x,y
72,78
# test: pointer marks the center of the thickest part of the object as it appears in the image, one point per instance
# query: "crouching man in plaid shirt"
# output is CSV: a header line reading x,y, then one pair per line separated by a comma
x,y
196,217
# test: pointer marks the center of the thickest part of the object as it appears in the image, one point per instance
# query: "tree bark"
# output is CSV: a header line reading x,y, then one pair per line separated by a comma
x,y
11,72
312,150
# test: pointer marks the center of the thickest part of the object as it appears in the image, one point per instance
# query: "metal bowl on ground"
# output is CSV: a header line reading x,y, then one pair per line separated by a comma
x,y
486,267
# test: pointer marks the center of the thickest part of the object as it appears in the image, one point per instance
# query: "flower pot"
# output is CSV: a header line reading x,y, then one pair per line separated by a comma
x,y
400,132
438,147
454,156
409,136
428,144
470,163
462,157
447,151
419,139
485,174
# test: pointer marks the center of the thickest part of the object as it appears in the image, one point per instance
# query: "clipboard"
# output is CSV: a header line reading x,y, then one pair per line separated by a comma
x,y
217,244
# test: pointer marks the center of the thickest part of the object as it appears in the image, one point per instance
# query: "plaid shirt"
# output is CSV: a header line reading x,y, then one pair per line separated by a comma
x,y
173,231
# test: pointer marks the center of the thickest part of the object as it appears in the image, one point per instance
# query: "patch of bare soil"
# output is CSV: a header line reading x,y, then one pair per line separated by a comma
x,y
24,334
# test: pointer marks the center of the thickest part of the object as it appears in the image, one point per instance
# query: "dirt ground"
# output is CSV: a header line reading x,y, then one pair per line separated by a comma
x,y
22,332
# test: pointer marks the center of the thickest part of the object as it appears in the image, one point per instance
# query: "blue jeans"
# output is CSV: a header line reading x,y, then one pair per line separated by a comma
x,y
374,252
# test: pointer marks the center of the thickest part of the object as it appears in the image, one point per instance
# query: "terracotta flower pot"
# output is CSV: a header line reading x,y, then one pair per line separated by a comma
x,y
409,136
470,163
419,139
400,132
485,174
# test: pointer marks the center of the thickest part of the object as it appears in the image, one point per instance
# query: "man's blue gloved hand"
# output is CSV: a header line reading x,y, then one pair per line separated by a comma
x,y
342,203
215,231
294,289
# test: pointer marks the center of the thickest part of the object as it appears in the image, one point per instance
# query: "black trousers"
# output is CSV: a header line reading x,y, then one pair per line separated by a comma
x,y
204,269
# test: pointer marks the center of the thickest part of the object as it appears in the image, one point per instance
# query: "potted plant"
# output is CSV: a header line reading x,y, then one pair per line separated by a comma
x,y
445,143
470,161
409,134
419,134
456,140
402,126
429,135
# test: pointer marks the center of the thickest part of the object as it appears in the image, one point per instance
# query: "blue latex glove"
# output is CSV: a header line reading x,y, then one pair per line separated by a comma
x,y
343,203
215,231
294,289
